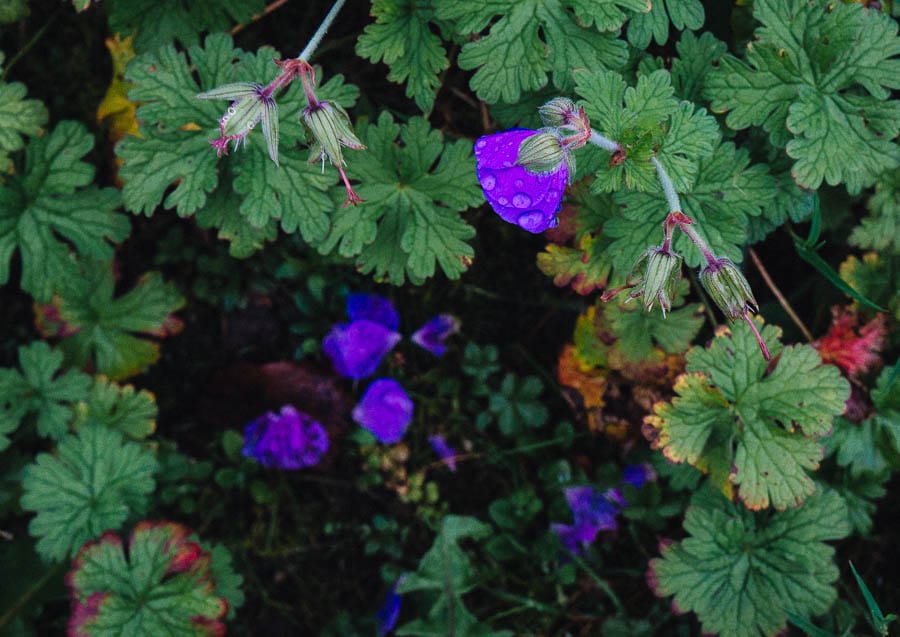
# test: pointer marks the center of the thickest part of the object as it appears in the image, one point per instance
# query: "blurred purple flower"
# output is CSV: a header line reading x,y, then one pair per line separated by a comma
x,y
287,440
592,512
444,451
356,348
373,308
389,612
638,475
385,410
432,335
526,199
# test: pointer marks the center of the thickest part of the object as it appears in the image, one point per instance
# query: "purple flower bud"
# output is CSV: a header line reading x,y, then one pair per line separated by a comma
x,y
444,451
287,440
385,410
356,348
250,104
432,335
373,308
531,201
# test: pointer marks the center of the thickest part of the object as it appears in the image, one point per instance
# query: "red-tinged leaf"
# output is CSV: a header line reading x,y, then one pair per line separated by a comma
x,y
585,268
852,347
110,590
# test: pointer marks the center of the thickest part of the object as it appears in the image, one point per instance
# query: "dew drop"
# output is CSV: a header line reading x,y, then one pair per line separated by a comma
x,y
521,200
481,143
519,183
488,181
502,201
530,220
552,195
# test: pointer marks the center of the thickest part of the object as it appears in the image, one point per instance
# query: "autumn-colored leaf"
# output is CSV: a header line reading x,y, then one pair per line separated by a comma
x,y
850,346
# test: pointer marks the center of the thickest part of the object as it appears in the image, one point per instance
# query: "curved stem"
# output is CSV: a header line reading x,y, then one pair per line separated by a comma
x,y
313,44
667,185
603,142
778,295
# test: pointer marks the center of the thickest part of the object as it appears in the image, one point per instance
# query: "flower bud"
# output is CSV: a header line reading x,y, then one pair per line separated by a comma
x,y
728,288
330,128
541,154
558,112
251,103
660,272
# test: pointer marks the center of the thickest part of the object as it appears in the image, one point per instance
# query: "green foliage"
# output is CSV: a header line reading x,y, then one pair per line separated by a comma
x,y
93,483
513,57
740,571
696,56
163,585
445,574
112,330
228,582
40,390
401,38
585,267
155,23
647,120
481,364
246,195
516,404
48,206
726,193
753,428
881,229
639,332
18,117
683,14
818,81
414,186
872,446
121,407
607,15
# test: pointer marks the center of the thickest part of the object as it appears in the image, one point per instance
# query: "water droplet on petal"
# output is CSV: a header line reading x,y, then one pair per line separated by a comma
x,y
481,143
531,220
519,183
554,223
502,201
552,195
521,200
488,181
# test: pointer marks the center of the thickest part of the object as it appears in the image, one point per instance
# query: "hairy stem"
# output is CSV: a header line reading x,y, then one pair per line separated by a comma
x,y
606,144
667,186
313,44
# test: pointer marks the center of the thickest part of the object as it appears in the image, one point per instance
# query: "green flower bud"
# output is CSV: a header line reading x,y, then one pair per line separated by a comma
x,y
660,272
541,154
251,103
330,128
728,288
558,112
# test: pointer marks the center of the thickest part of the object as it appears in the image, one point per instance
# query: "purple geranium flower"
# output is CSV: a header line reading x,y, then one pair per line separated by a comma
x,y
592,512
432,335
526,199
287,440
356,348
385,410
373,308
444,451
389,612
638,475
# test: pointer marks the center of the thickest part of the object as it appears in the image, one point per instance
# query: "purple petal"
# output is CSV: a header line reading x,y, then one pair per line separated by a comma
x,y
528,200
356,349
389,612
287,440
444,451
638,475
596,509
432,335
385,410
373,308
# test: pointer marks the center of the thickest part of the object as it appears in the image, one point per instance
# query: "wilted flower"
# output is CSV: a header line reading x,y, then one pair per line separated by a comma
x,y
529,200
356,348
372,308
250,104
385,410
330,128
287,440
432,335
444,451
